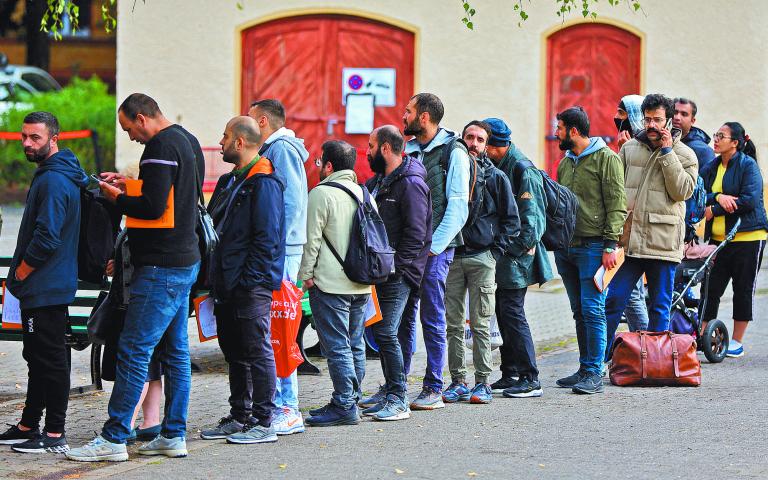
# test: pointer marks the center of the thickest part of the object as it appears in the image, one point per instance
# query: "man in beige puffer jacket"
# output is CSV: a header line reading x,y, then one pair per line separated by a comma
x,y
660,173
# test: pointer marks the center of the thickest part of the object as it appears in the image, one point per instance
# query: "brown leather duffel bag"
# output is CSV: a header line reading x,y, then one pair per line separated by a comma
x,y
654,359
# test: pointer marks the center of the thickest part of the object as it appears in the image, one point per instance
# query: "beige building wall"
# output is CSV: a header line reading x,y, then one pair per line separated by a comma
x,y
186,55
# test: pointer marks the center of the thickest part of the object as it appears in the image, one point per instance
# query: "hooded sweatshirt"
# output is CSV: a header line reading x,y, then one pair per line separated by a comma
x,y
49,233
632,104
287,154
698,141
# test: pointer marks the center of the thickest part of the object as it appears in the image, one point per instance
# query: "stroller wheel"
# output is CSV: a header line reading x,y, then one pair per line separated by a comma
x,y
714,341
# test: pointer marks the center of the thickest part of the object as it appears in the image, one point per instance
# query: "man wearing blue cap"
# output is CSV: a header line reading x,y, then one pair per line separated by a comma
x,y
524,263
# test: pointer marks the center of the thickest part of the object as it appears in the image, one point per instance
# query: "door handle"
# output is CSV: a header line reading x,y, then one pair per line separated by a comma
x,y
330,124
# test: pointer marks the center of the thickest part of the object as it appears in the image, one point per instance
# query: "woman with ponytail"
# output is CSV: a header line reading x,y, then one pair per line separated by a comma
x,y
734,191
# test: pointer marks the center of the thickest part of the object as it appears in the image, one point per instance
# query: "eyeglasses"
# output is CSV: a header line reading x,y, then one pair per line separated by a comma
x,y
719,136
657,120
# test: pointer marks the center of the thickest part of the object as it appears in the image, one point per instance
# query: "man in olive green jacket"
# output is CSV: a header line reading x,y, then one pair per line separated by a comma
x,y
661,173
595,175
338,304
524,263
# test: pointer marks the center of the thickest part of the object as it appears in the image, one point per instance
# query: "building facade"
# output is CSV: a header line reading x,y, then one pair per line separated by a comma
x,y
335,63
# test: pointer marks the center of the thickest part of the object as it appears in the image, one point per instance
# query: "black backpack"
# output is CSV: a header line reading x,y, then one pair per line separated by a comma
x,y
562,205
369,260
99,222
477,177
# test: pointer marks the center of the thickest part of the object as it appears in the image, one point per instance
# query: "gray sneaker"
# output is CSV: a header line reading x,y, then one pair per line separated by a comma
x,y
170,447
99,450
227,426
254,433
393,409
428,399
374,399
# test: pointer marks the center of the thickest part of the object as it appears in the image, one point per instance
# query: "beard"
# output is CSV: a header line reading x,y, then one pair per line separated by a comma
x,y
413,128
229,155
475,153
567,143
37,156
377,162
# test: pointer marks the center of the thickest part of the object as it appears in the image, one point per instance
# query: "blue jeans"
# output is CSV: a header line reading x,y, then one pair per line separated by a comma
x,y
393,296
287,388
159,305
661,281
636,311
577,267
340,320
433,326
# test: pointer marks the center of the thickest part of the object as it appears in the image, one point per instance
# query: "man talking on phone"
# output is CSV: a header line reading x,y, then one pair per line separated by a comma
x,y
660,173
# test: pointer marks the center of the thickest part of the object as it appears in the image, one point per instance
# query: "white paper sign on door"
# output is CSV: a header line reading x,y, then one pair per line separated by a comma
x,y
377,81
359,118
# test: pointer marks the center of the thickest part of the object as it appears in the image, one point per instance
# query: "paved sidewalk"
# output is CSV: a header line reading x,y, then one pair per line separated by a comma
x,y
718,428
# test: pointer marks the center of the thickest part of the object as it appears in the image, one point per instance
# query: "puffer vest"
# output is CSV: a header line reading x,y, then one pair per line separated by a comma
x,y
436,178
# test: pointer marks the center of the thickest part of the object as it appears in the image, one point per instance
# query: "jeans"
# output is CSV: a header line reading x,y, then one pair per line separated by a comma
x,y
661,281
393,296
577,267
476,273
287,388
243,327
518,354
340,320
636,311
159,305
47,357
432,299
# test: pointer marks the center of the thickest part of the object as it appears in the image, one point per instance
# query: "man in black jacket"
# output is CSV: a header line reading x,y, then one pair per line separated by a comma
x,y
474,270
248,211
404,204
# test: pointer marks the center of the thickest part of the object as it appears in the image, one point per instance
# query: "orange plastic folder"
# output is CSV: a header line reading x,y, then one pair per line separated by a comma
x,y
206,320
372,310
603,277
133,189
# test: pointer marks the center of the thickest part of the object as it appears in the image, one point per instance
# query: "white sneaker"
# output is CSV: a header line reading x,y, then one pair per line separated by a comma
x,y
288,421
99,450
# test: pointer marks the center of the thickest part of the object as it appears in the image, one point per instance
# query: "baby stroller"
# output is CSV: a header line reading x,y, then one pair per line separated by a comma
x,y
687,308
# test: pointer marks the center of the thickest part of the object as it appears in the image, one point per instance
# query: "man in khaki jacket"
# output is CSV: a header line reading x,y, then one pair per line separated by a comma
x,y
338,304
660,173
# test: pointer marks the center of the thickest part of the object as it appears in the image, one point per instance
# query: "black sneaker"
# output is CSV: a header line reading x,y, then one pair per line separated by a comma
x,y
502,384
227,426
571,380
591,383
14,435
42,444
524,388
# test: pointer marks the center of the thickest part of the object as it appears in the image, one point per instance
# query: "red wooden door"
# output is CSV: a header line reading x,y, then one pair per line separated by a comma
x,y
299,60
591,65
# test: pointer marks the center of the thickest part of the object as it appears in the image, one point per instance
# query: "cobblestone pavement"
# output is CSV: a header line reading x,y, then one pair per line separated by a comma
x,y
718,428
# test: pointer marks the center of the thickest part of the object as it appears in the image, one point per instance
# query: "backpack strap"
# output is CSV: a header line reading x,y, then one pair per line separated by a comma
x,y
521,166
365,201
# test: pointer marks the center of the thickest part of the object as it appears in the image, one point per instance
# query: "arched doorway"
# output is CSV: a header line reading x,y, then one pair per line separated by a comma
x,y
592,65
300,60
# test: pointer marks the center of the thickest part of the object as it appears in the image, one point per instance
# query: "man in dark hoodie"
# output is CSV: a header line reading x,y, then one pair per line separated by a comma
x,y
247,209
693,137
405,207
43,276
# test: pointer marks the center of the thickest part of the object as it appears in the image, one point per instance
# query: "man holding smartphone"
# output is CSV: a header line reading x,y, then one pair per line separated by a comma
x,y
660,173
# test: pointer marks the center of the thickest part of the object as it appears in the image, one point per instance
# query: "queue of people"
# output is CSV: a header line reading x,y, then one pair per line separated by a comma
x,y
464,214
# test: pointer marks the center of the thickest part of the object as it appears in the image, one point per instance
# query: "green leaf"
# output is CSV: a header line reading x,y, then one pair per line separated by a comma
x,y
470,26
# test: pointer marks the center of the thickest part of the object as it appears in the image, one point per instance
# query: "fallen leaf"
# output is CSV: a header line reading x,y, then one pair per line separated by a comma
x,y
399,472
283,466
72,475
541,465
322,445
471,474
379,429
476,436
18,386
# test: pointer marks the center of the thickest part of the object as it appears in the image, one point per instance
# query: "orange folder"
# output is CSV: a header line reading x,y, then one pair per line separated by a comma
x,y
602,278
133,189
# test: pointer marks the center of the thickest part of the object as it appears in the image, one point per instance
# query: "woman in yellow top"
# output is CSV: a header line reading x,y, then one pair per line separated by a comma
x,y
734,191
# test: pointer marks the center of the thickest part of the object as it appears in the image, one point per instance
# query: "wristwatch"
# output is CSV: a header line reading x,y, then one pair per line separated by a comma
x,y
609,250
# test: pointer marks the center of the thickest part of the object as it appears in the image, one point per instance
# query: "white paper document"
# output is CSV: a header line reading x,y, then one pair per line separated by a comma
x,y
359,117
11,310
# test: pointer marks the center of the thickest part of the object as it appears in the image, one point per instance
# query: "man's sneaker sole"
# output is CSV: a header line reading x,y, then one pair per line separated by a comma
x,y
399,416
113,457
336,423
14,441
736,354
461,398
290,431
248,441
584,391
218,436
433,406
533,393
170,453
479,401
56,449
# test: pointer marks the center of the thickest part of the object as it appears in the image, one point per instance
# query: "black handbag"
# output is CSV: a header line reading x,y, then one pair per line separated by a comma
x,y
209,239
106,320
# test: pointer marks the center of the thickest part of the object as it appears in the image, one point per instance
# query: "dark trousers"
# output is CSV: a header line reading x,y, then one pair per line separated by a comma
x,y
518,355
48,360
243,327
393,296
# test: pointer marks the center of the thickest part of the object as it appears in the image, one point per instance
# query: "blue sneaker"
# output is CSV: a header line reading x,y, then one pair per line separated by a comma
x,y
373,410
735,349
374,399
428,399
481,393
456,392
393,409
333,416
